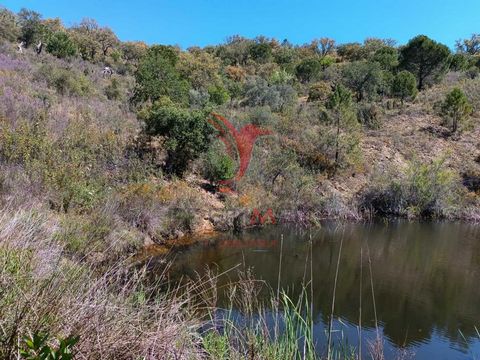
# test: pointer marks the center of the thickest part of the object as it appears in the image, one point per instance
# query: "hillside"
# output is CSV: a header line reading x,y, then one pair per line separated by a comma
x,y
111,147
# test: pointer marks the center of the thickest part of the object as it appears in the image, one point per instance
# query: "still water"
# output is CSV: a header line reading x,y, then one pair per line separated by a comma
x,y
425,278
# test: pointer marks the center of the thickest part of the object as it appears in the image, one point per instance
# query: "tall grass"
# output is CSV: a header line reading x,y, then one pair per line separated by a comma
x,y
114,314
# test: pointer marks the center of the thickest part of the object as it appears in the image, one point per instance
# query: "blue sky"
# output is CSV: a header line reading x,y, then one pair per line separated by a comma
x,y
204,22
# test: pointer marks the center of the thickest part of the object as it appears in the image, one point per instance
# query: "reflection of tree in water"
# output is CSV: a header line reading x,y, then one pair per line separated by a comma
x,y
425,275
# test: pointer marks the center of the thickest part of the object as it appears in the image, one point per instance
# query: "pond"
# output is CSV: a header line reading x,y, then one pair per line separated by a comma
x,y
425,278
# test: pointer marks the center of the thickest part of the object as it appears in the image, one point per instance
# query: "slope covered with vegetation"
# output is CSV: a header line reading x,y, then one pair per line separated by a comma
x,y
94,165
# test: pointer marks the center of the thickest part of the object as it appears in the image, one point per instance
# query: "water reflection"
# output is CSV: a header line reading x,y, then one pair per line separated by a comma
x,y
425,276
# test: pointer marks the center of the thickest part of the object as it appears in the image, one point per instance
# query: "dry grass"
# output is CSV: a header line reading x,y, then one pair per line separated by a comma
x,y
114,313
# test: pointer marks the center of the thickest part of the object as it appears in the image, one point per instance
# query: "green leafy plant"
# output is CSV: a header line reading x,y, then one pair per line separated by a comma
x,y
157,76
404,86
36,347
187,134
425,58
456,108
219,166
61,46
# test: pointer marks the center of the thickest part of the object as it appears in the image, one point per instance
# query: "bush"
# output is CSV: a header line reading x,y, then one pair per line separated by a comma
x,y
319,91
61,46
459,62
456,108
472,72
218,166
424,189
308,69
261,52
370,115
65,82
364,78
37,348
187,134
113,90
259,93
218,94
281,77
157,76
404,85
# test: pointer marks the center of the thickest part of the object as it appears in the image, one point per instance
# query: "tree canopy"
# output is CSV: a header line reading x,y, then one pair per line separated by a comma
x,y
427,59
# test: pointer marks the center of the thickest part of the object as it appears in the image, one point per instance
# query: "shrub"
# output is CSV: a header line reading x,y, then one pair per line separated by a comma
x,y
370,115
387,57
364,78
261,52
459,62
65,81
308,69
472,72
218,166
157,76
37,348
259,93
456,108
404,85
198,99
218,94
351,52
113,90
344,123
187,134
60,45
9,29
423,189
319,91
281,77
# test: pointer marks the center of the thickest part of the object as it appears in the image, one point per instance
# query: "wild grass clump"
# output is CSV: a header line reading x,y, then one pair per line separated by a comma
x,y
421,190
113,313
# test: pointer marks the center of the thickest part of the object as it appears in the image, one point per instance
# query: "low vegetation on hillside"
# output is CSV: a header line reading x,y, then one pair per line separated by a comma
x,y
108,146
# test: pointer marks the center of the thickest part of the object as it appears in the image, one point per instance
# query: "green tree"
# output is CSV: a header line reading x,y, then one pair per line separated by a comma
x,y
236,50
469,46
133,51
456,108
61,45
30,24
387,57
404,85
426,59
199,67
187,134
363,77
157,76
346,126
84,36
218,94
219,166
261,52
92,39
9,29
351,52
459,62
308,69
286,56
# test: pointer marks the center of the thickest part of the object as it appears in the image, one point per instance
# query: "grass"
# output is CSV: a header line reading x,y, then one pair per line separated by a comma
x,y
114,314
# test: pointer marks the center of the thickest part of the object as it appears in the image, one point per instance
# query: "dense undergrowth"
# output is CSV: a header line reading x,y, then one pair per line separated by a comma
x,y
94,166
